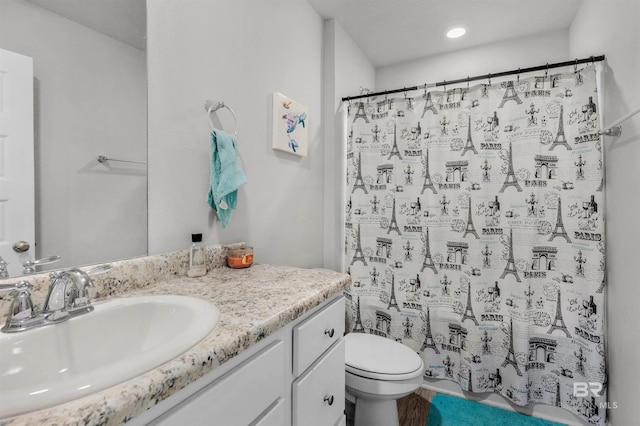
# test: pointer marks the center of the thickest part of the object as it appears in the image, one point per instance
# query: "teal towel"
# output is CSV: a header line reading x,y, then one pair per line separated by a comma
x,y
226,176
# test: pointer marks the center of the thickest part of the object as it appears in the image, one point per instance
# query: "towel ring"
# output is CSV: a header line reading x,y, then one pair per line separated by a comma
x,y
212,106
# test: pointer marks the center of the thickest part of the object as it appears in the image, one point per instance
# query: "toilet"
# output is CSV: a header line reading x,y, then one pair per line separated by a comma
x,y
378,371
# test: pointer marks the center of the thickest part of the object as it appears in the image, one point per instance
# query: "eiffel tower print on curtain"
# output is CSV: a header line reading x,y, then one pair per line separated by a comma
x,y
393,224
558,321
393,303
510,267
517,304
470,229
510,94
427,176
561,139
511,179
358,256
360,113
358,328
428,105
558,230
511,356
468,312
469,145
428,261
428,337
359,184
394,149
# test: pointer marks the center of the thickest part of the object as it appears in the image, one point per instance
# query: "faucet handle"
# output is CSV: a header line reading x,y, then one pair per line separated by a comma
x,y
81,296
22,314
22,306
30,265
20,285
100,269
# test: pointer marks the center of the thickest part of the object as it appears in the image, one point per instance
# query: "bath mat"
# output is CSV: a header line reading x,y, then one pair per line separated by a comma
x,y
451,411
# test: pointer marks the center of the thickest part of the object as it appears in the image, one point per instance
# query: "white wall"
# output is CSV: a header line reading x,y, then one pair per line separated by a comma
x,y
90,99
346,69
491,58
611,28
239,51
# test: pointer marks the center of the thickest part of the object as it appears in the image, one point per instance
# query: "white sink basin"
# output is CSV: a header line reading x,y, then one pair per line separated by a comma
x,y
119,340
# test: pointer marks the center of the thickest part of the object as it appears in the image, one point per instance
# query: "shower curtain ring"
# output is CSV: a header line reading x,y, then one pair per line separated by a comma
x,y
489,76
546,72
518,79
575,66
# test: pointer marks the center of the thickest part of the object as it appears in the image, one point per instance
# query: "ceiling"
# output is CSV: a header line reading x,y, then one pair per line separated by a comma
x,y
395,31
123,20
387,31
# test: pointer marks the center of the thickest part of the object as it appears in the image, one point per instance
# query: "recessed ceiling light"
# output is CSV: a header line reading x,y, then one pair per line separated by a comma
x,y
456,32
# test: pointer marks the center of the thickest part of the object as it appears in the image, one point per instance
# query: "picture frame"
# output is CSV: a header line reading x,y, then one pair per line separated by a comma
x,y
290,125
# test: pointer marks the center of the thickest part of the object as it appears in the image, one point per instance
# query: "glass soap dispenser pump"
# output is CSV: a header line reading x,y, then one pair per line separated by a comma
x,y
197,257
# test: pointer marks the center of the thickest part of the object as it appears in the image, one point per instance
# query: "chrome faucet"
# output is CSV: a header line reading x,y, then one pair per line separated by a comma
x,y
68,296
69,293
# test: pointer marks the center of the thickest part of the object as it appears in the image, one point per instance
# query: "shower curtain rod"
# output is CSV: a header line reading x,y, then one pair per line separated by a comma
x,y
547,66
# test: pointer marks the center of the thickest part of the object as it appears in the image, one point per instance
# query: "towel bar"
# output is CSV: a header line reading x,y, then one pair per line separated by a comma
x,y
102,159
213,106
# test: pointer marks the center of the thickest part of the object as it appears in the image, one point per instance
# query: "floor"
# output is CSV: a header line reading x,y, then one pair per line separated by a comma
x,y
413,409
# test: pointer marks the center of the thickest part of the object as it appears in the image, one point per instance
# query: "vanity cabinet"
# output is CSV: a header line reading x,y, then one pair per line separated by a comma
x,y
293,377
318,395
318,368
241,396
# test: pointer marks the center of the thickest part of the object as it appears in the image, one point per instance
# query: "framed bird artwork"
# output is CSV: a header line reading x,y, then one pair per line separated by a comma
x,y
290,126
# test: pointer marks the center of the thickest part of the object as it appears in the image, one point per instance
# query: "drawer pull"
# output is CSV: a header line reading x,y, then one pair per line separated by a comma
x,y
330,332
329,399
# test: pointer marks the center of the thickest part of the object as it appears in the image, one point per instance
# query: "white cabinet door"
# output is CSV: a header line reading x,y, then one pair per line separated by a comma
x,y
318,395
239,397
274,417
316,334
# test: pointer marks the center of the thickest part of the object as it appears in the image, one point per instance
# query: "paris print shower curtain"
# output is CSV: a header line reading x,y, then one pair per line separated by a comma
x,y
475,235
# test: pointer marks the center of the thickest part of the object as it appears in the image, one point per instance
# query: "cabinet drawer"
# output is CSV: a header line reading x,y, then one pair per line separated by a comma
x,y
238,397
318,396
316,334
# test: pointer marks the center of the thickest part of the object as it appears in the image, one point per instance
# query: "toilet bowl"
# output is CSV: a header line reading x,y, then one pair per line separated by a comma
x,y
378,371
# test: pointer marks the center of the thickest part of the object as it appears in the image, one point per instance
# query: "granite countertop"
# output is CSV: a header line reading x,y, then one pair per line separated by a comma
x,y
253,303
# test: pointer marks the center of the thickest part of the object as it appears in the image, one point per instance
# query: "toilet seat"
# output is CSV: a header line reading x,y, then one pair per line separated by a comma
x,y
378,358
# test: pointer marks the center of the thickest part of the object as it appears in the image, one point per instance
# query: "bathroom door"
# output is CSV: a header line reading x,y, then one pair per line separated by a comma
x,y
17,205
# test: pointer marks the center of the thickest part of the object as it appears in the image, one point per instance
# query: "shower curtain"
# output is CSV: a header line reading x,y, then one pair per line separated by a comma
x,y
474,234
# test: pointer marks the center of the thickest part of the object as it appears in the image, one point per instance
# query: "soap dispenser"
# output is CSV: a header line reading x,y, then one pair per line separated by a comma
x,y
197,257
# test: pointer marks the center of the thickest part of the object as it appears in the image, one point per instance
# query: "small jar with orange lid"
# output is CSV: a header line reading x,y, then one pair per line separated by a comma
x,y
240,257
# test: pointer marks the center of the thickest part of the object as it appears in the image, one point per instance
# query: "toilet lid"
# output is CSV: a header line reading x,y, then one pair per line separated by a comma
x,y
377,357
